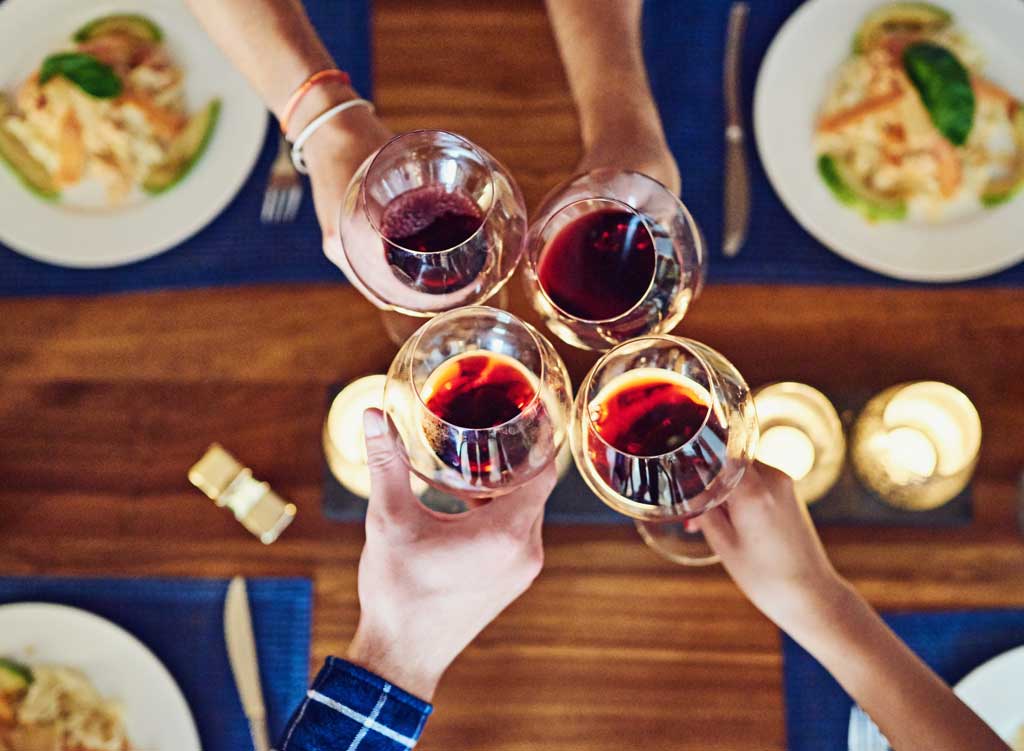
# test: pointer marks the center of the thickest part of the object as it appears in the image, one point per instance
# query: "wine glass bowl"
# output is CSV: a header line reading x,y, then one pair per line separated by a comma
x,y
612,255
481,400
663,428
431,222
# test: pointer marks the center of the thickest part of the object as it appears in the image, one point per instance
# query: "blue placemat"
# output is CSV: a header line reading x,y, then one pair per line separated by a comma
x,y
235,248
953,644
181,621
684,43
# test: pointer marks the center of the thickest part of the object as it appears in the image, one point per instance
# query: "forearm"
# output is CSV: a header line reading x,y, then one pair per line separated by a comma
x,y
274,45
601,48
912,706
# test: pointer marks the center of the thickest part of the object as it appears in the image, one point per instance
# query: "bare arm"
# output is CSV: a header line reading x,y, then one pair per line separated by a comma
x,y
601,47
768,545
274,45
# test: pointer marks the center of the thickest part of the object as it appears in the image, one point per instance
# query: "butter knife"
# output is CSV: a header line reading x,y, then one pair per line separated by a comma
x,y
242,655
737,175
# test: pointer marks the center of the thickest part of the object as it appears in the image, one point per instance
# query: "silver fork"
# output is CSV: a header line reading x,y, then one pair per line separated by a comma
x,y
283,196
864,734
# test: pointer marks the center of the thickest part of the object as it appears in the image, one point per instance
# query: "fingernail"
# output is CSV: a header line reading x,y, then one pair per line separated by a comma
x,y
373,424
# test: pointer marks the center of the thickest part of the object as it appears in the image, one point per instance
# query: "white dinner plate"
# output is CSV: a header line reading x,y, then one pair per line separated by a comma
x,y
118,665
81,232
995,691
792,84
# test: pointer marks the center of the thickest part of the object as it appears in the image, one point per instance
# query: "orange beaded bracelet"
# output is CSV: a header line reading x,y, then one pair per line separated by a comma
x,y
331,74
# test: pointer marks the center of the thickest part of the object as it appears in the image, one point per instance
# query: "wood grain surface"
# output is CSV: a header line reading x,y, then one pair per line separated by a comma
x,y
106,401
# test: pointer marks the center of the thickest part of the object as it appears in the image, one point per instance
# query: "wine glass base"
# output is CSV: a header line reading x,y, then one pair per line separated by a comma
x,y
673,541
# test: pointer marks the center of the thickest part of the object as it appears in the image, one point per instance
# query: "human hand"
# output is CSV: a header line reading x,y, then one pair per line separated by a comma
x,y
639,149
769,546
430,582
333,154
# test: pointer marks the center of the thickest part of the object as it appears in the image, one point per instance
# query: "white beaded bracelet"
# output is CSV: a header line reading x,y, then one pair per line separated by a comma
x,y
309,130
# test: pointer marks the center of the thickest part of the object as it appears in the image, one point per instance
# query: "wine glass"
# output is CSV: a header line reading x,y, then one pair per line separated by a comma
x,y
613,255
429,223
663,429
481,400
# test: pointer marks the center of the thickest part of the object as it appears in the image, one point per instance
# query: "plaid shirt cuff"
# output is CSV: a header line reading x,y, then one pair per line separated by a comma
x,y
351,708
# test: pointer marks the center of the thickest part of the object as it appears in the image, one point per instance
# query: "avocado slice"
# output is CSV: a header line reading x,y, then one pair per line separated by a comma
x,y
874,206
185,152
1002,189
904,17
128,23
29,170
14,677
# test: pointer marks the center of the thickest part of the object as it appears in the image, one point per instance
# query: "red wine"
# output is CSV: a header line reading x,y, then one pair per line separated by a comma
x,y
645,413
599,265
649,413
428,220
479,390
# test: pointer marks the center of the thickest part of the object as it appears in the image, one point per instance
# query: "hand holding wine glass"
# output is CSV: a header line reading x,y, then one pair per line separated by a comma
x,y
766,541
630,148
333,155
429,582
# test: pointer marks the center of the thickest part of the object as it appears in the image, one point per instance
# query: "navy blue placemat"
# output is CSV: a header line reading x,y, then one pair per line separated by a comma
x,y
953,644
181,621
684,42
235,248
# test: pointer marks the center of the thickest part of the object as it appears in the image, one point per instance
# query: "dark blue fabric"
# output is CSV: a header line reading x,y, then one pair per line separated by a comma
x,y
235,248
181,621
953,644
349,707
684,42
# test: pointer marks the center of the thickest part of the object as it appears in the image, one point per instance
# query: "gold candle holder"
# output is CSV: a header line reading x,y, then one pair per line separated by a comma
x,y
345,441
916,445
801,434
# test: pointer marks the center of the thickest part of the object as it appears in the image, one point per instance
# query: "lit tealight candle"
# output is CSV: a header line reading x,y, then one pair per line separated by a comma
x,y
787,448
801,435
916,445
345,440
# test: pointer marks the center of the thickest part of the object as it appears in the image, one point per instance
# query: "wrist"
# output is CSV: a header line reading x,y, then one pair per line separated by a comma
x,y
395,660
321,97
818,615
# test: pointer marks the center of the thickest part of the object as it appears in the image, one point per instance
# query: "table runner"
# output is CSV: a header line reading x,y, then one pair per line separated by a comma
x,y
181,621
952,643
684,43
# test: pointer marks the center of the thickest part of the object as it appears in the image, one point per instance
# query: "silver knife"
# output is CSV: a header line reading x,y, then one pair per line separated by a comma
x,y
242,655
737,176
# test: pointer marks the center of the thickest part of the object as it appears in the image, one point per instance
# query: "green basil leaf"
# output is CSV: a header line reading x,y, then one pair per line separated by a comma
x,y
89,74
945,88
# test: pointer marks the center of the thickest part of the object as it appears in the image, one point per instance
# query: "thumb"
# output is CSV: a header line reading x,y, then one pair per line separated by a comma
x,y
390,493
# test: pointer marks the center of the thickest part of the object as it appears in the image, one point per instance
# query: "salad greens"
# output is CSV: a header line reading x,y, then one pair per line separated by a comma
x,y
945,88
89,74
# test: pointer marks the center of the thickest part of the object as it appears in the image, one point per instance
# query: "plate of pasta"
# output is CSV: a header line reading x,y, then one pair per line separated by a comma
x,y
123,129
72,681
894,132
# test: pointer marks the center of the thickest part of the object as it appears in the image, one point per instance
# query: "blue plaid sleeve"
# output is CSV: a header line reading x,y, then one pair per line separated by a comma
x,y
350,709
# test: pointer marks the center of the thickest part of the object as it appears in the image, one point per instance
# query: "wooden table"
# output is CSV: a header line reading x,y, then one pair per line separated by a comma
x,y
106,401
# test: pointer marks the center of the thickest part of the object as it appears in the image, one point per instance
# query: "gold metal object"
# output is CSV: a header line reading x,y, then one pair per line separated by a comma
x,y
916,445
230,485
801,434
